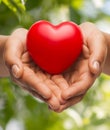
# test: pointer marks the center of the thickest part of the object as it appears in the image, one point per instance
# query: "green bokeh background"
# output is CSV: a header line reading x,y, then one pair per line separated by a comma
x,y
21,111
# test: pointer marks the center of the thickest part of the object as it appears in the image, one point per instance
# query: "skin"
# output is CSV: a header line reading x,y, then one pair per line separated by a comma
x,y
88,67
58,91
19,66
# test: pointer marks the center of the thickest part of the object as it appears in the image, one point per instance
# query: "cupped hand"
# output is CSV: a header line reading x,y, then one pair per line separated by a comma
x,y
78,79
64,90
81,76
25,73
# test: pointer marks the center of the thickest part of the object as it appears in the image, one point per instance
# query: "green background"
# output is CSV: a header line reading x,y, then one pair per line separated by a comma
x,y
21,111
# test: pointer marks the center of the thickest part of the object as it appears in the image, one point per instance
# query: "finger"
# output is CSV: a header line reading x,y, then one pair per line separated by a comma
x,y
32,92
79,87
74,77
70,103
12,58
86,52
52,102
13,51
47,80
98,52
26,58
61,85
60,81
74,91
56,92
27,88
30,79
53,87
96,43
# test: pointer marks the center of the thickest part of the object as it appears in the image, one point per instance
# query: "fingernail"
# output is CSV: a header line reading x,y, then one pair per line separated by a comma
x,y
96,66
51,106
15,71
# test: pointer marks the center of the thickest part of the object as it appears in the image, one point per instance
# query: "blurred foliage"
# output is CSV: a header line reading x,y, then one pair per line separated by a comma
x,y
17,106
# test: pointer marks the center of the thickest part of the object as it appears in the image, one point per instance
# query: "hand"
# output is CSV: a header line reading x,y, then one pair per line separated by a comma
x,y
68,88
25,73
80,77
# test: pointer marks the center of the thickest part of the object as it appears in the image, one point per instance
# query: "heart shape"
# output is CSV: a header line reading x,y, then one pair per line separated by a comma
x,y
54,48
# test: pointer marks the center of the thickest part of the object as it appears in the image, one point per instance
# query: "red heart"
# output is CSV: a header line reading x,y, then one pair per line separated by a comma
x,y
54,48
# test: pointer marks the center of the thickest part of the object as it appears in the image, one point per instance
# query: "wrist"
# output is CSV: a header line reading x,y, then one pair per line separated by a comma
x,y
3,69
106,69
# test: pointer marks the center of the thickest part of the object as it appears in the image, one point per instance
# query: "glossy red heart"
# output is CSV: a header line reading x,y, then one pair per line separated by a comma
x,y
54,48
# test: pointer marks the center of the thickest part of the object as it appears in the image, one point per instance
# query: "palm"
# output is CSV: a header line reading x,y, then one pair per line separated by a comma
x,y
39,82
79,76
75,82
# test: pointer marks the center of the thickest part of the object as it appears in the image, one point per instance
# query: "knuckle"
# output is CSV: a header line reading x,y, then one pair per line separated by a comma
x,y
57,77
62,101
19,30
66,95
59,110
86,24
6,59
47,95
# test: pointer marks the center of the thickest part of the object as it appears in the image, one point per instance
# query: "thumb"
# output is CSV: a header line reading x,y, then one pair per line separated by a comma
x,y
14,48
95,66
12,59
98,52
96,44
17,70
